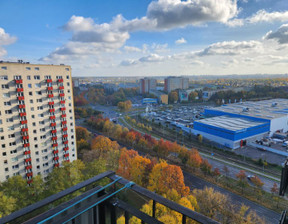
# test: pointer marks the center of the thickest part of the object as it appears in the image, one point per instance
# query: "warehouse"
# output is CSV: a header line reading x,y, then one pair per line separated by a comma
x,y
230,131
247,121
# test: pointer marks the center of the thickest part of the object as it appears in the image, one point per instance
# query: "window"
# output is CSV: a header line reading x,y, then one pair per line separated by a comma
x,y
70,111
12,143
4,153
6,169
37,68
15,167
37,153
59,77
8,103
44,150
29,85
37,85
17,77
36,146
41,122
33,116
5,161
38,167
34,124
8,111
72,136
1,129
45,158
42,129
40,115
67,76
38,93
40,108
3,146
6,86
67,69
28,68
30,94
72,143
6,95
0,121
13,151
69,97
29,77
31,101
34,131
39,100
11,136
9,119
47,76
4,67
32,108
46,164
68,90
4,77
2,138
11,128
38,160
68,84
37,77
35,138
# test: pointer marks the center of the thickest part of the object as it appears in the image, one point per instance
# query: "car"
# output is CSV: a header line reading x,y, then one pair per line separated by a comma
x,y
250,177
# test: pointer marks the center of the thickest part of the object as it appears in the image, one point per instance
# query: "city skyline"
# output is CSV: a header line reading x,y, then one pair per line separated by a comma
x,y
148,38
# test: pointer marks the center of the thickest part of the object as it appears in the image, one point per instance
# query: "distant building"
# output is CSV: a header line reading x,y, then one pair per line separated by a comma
x,y
75,82
172,83
149,100
162,97
146,85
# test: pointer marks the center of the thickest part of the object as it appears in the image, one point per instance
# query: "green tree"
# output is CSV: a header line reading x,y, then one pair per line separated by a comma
x,y
242,179
8,204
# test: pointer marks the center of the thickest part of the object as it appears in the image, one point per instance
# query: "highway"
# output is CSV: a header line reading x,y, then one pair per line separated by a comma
x,y
195,182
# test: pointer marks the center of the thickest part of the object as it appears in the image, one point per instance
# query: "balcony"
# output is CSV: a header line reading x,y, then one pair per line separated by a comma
x,y
63,115
29,174
18,81
56,158
52,110
22,114
22,106
62,94
54,138
50,88
66,155
53,124
56,165
26,145
62,102
63,108
54,131
24,129
27,152
55,151
51,103
25,137
50,95
29,181
20,98
48,80
66,149
28,167
19,90
64,122
24,122
64,129
61,87
27,160
60,80
55,145
65,136
52,117
65,142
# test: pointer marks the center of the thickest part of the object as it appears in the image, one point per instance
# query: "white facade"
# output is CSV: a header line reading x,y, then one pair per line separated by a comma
x,y
172,83
37,127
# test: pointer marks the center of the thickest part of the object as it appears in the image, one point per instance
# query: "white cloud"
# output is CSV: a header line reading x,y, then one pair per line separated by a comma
x,y
264,16
181,41
132,49
235,22
5,39
281,35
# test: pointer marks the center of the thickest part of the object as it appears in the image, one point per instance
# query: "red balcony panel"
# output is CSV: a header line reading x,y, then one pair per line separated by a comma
x,y
53,124
66,155
64,129
65,136
25,137
62,102
54,138
19,90
55,145
56,158
61,87
64,122
20,97
54,131
21,106
51,103
50,95
65,142
66,149
29,174
24,122
27,152
26,145
28,167
50,88
60,80
28,160
52,117
24,129
63,115
22,114
56,165
29,181
19,81
52,110
62,94
55,151
48,80
63,108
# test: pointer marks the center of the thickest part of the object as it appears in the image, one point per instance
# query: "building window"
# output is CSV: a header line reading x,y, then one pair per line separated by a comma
x,y
28,68
11,128
9,119
30,94
6,169
40,108
0,121
29,77
6,86
68,84
67,69
12,143
38,93
35,138
37,153
1,129
37,68
4,153
8,103
5,161
4,77
8,111
2,138
6,95
34,124
4,67
37,77
33,116
32,108
31,101
39,100
34,131
37,85
29,85
11,136
3,146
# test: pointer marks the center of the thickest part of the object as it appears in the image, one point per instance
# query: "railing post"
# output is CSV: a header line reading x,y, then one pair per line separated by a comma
x,y
101,209
183,219
113,214
95,215
154,209
126,214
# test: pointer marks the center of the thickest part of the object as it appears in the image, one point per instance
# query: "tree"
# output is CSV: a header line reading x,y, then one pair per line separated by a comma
x,y
194,159
8,204
173,96
140,169
206,167
274,190
81,133
242,181
125,163
124,106
258,184
192,96
103,145
226,171
216,173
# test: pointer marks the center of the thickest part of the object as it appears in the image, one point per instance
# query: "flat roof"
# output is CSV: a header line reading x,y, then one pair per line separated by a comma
x,y
265,109
230,123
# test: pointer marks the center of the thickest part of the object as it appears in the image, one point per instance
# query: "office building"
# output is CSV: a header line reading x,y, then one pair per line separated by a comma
x,y
172,83
37,127
146,85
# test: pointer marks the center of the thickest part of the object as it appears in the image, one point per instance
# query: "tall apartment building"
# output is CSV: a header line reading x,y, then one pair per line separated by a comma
x,y
147,84
172,83
37,127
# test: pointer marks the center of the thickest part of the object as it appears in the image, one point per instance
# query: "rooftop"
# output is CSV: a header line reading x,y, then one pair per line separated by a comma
x,y
265,109
230,123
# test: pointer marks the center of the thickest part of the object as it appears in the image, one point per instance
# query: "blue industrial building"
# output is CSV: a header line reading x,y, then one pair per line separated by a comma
x,y
149,100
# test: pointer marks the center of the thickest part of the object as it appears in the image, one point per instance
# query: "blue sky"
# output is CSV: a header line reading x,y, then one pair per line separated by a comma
x,y
143,38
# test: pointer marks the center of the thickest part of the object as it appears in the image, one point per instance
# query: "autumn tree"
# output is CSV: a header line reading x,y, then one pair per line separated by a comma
x,y
140,169
125,106
194,159
192,96
125,163
81,133
216,173
103,145
242,179
206,167
173,96
274,190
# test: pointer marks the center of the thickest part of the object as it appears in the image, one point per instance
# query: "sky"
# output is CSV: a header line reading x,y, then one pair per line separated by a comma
x,y
148,38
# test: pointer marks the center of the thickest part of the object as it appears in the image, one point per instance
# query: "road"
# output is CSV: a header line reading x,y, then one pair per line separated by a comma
x,y
269,215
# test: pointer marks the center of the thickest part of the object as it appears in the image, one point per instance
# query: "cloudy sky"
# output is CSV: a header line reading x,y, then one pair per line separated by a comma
x,y
144,38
